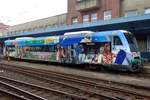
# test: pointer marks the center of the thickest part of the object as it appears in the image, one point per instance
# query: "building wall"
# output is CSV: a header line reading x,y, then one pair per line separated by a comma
x,y
103,5
139,5
72,11
118,7
3,27
35,25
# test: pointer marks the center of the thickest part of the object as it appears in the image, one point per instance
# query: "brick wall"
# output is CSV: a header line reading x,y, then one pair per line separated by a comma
x,y
139,5
104,5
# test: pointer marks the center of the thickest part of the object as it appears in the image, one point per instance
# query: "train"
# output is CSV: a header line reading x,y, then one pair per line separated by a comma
x,y
117,49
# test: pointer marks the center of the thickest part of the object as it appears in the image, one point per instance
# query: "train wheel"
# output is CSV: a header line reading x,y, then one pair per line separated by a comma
x,y
135,68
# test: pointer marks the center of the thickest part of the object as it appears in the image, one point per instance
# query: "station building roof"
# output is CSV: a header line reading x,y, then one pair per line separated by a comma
x,y
136,24
36,24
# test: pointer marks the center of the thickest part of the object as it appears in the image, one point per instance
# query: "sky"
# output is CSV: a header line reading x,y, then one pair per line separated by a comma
x,y
13,12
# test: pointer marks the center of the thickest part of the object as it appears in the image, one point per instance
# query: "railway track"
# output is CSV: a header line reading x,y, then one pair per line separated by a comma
x,y
5,95
17,92
29,91
84,87
73,93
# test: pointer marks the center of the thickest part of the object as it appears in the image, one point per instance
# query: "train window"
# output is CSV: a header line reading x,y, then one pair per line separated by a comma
x,y
52,49
45,49
90,49
33,49
42,49
117,40
48,49
132,42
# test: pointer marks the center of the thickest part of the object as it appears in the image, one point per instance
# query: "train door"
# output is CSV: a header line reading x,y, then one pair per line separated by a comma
x,y
120,49
73,55
69,54
87,52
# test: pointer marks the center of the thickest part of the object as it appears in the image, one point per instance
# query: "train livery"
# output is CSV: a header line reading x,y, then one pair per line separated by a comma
x,y
117,49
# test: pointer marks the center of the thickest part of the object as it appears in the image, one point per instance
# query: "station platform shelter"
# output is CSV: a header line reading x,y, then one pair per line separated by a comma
x,y
138,25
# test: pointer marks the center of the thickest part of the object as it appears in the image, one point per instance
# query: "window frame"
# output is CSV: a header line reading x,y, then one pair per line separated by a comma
x,y
107,14
129,13
94,16
116,43
74,20
147,10
87,19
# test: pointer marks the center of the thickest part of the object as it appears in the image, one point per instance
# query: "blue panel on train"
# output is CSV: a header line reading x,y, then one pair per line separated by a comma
x,y
71,39
96,37
20,42
120,57
8,42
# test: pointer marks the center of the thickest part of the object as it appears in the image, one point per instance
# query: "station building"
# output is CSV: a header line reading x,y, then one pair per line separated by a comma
x,y
94,15
3,27
81,11
35,25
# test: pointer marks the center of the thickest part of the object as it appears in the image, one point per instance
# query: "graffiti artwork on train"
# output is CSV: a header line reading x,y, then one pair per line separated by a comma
x,y
108,48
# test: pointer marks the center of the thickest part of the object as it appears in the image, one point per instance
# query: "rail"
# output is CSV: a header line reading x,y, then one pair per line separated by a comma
x,y
90,87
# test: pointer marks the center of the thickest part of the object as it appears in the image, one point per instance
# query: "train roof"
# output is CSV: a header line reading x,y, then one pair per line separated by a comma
x,y
66,39
9,42
24,38
113,32
79,32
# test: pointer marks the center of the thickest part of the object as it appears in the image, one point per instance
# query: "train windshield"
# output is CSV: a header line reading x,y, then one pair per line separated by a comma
x,y
132,42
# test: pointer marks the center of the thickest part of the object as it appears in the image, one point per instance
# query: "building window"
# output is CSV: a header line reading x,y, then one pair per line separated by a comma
x,y
131,13
79,0
147,11
74,20
107,15
86,18
94,17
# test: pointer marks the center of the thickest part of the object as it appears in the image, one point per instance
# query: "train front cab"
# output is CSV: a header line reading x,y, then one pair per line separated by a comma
x,y
136,60
124,40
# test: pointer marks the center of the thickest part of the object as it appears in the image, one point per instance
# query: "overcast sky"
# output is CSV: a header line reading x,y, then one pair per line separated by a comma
x,y
14,12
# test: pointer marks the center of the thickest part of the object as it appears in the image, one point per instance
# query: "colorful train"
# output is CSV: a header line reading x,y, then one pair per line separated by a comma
x,y
117,49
